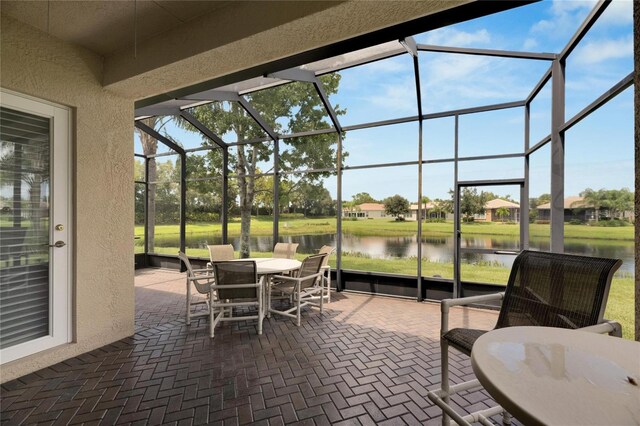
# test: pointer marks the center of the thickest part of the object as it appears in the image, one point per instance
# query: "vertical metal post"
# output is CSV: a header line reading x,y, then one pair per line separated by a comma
x,y
224,214
456,215
339,215
416,70
183,206
276,189
420,221
557,156
146,209
524,190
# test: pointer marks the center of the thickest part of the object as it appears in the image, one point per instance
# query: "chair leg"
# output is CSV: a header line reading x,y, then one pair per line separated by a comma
x,y
321,298
328,285
212,321
188,303
267,283
506,418
298,306
260,309
444,377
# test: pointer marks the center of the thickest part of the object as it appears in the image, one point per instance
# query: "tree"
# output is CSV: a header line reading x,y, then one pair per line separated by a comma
x,y
150,148
363,197
596,199
397,206
503,212
471,203
289,108
619,201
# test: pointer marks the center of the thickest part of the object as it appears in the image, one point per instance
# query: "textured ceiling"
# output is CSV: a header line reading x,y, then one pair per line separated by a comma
x,y
105,27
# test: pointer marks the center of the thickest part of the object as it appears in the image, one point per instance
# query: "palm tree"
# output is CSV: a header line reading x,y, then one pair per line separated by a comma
x,y
503,212
596,199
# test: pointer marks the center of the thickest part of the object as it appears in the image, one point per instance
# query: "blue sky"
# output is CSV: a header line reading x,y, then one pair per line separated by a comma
x,y
599,150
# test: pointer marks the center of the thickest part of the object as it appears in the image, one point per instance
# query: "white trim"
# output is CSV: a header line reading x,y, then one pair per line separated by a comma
x,y
60,190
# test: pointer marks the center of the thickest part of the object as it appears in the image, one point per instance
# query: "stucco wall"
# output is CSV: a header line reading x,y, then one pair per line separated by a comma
x,y
35,64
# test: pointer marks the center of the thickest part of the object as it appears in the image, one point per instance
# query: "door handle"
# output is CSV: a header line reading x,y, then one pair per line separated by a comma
x,y
58,244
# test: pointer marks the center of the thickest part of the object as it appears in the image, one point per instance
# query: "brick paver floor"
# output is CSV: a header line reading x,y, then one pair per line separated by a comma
x,y
365,360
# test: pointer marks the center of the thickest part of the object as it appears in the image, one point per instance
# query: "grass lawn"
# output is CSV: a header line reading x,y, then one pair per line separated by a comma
x,y
263,226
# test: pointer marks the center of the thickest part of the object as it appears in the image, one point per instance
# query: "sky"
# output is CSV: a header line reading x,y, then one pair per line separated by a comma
x,y
599,150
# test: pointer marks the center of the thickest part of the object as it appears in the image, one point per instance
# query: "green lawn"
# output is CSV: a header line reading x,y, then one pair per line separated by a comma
x,y
263,226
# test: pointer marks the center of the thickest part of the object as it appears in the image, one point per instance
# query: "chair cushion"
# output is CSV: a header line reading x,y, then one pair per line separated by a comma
x,y
463,338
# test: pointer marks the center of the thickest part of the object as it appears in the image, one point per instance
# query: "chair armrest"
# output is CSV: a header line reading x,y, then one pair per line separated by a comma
x,y
207,271
612,328
447,303
202,278
296,279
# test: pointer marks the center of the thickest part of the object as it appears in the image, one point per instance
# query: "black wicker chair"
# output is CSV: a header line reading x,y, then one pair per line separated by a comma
x,y
544,289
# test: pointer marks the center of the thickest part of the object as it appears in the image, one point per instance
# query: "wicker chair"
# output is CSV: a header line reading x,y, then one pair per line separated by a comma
x,y
220,253
300,287
236,284
285,250
544,289
202,280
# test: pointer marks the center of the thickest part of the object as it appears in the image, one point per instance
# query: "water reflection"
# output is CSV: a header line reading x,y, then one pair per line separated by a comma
x,y
434,248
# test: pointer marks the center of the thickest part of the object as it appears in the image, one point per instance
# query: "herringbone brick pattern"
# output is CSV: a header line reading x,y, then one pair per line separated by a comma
x,y
366,360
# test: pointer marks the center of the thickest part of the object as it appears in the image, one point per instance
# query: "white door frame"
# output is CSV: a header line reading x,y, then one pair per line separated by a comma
x,y
60,212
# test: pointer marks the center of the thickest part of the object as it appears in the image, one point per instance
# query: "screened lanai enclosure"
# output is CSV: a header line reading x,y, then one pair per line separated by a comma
x,y
427,162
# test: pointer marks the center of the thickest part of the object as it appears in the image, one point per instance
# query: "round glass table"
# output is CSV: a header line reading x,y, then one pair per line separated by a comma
x,y
545,375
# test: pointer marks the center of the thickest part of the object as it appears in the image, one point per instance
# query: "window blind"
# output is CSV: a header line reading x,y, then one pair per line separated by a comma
x,y
24,226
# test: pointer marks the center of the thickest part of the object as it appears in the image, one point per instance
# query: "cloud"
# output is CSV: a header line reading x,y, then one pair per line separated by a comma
x,y
566,16
597,51
453,37
399,97
530,44
619,12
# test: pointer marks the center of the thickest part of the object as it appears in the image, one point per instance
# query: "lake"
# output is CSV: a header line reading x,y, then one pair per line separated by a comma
x,y
438,248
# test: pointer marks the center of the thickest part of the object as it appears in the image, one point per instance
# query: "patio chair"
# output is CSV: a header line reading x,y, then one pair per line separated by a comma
x,y
219,253
326,270
202,280
236,284
285,250
544,289
300,287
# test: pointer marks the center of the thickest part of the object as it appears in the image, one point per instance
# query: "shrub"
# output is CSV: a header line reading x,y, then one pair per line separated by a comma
x,y
576,222
434,220
611,223
468,219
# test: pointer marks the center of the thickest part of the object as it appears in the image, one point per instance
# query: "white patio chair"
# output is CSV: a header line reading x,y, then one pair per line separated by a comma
x,y
285,250
326,270
300,287
202,279
236,284
219,253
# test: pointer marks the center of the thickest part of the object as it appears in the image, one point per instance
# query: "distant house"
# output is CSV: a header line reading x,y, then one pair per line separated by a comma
x,y
365,211
429,211
574,209
491,211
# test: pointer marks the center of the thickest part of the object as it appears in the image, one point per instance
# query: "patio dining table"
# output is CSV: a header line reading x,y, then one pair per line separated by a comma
x,y
266,267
